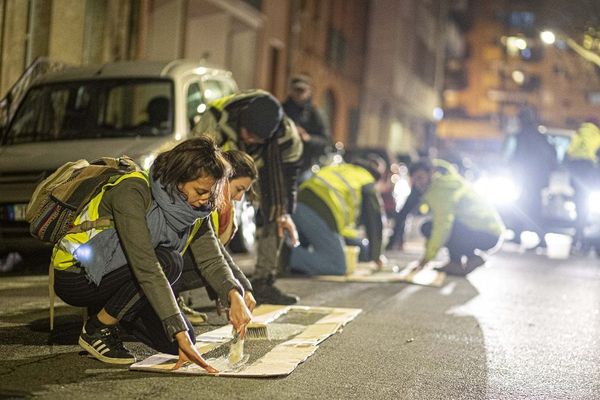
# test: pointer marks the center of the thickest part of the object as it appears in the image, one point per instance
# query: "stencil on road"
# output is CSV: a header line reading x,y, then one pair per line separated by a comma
x,y
364,273
293,334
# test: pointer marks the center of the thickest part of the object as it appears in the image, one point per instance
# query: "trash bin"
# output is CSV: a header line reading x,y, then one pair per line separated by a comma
x,y
558,246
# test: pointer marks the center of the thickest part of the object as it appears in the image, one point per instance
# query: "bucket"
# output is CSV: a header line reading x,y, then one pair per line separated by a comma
x,y
351,253
558,246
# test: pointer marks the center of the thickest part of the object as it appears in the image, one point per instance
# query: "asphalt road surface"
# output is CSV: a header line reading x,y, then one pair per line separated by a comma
x,y
524,327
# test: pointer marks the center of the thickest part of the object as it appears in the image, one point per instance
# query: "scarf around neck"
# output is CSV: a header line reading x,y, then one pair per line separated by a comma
x,y
169,219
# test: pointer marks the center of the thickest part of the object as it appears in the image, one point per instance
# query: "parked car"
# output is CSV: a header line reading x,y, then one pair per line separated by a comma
x,y
134,108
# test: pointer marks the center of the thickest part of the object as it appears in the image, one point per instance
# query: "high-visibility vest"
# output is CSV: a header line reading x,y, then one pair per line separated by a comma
x,y
340,188
215,124
63,254
585,143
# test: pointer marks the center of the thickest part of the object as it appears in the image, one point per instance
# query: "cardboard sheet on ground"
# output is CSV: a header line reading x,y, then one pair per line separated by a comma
x,y
281,360
365,273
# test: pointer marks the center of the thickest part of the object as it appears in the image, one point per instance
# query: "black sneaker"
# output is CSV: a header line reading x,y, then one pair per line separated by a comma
x,y
106,345
265,292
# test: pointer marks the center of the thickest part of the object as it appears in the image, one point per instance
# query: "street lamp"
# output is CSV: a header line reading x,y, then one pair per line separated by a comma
x,y
548,37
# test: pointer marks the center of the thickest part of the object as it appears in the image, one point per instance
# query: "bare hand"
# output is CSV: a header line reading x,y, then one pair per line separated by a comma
x,y
305,136
381,262
422,263
286,224
249,300
239,314
189,353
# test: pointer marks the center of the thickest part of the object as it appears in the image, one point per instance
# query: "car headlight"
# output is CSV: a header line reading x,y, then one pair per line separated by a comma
x,y
499,190
594,203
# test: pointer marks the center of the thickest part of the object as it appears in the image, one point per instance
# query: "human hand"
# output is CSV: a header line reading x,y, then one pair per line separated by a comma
x,y
422,263
189,353
249,300
239,314
286,224
381,262
305,136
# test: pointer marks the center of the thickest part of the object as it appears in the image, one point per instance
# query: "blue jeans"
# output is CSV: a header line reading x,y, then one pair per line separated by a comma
x,y
326,257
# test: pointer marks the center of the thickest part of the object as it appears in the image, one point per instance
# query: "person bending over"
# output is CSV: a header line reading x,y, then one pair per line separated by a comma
x,y
124,274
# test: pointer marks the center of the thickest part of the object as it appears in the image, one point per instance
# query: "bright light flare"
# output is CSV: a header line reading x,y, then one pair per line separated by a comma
x,y
548,37
499,190
518,77
594,203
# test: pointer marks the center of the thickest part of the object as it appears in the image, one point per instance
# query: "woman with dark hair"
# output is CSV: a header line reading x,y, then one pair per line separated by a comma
x,y
124,274
243,176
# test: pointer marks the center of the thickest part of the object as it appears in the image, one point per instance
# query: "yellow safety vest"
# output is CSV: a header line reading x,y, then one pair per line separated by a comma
x,y
585,143
63,254
220,104
340,188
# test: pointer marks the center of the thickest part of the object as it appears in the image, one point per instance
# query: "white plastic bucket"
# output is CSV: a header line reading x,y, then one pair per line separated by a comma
x,y
558,246
351,253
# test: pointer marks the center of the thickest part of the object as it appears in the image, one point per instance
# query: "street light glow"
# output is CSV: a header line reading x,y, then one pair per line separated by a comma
x,y
518,76
548,37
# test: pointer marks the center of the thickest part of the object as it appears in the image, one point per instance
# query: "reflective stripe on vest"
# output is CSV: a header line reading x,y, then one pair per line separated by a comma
x,y
63,253
340,188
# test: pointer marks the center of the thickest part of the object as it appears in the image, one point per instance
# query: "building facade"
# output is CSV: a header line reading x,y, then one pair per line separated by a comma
x,y
508,67
376,65
403,75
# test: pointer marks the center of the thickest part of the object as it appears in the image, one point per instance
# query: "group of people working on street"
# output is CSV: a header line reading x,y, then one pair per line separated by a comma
x,y
170,225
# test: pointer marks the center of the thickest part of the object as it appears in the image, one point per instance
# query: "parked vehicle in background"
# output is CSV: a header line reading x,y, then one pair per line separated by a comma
x,y
138,108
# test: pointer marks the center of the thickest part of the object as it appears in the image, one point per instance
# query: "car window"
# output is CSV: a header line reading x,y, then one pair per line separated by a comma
x,y
195,105
93,109
216,88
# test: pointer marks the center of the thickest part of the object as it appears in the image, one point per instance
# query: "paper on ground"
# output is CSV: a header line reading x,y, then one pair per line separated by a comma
x,y
280,361
425,277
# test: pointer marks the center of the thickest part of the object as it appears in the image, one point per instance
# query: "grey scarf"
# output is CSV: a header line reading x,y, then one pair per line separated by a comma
x,y
169,219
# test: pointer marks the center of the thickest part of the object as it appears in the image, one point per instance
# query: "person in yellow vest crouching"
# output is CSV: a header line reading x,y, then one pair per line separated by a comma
x,y
124,274
243,177
330,206
463,222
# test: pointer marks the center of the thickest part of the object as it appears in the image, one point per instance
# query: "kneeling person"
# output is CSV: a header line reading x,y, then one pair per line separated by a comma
x,y
124,274
330,206
462,221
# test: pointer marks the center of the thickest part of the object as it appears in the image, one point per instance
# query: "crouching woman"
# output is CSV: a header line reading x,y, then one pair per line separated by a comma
x,y
125,274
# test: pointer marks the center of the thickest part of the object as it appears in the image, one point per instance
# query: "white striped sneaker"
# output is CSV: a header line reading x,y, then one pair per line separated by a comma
x,y
106,345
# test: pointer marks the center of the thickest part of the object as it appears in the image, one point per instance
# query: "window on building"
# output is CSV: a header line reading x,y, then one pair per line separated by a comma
x,y
330,110
353,124
274,70
336,49
424,62
254,3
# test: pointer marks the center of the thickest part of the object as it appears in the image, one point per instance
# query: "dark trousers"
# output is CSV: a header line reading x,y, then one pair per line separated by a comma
x,y
121,296
463,241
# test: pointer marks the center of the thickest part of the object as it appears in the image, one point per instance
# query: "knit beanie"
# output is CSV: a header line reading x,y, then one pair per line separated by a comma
x,y
261,116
